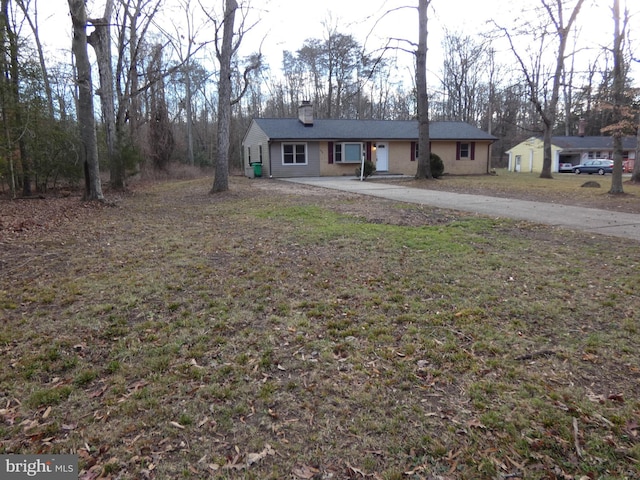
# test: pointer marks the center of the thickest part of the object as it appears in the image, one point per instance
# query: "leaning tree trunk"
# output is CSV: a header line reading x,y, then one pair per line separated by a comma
x,y
221,177
424,154
86,119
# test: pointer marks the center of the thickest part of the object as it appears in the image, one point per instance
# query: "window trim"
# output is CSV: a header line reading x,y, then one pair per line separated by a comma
x,y
338,155
294,163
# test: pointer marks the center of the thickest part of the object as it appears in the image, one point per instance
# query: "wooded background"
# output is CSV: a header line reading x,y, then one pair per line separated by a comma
x,y
160,96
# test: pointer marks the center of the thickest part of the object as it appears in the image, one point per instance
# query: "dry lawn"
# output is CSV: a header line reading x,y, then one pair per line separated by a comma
x,y
563,189
280,331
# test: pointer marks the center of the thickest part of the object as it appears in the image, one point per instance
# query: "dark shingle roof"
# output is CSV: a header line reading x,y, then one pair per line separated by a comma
x,y
323,129
591,143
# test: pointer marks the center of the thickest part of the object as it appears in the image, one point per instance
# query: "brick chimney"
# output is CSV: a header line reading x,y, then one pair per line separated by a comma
x,y
582,124
305,113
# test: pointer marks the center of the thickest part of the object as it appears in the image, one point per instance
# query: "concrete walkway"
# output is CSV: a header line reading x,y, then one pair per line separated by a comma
x,y
603,222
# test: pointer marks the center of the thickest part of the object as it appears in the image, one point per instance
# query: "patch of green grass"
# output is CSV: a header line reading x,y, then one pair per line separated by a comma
x,y
85,377
49,396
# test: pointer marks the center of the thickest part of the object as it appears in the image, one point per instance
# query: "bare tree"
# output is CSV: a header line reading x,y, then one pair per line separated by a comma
x,y
224,52
424,153
226,48
464,64
161,141
100,40
13,110
187,29
619,75
86,119
547,109
32,20
134,20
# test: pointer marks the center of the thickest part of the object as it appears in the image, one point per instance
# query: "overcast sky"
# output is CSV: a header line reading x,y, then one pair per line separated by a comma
x,y
286,24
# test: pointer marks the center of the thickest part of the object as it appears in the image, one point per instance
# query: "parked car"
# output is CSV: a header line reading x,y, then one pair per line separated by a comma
x,y
594,166
565,167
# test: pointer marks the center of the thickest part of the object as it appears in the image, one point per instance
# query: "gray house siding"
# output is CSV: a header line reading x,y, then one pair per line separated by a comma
x,y
280,170
255,143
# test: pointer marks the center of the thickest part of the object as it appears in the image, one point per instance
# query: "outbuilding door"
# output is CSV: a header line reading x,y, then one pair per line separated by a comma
x,y
382,157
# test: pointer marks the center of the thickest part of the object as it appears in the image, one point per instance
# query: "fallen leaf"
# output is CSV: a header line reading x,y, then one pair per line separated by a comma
x,y
256,457
195,363
475,423
98,392
138,385
356,470
616,397
177,425
305,472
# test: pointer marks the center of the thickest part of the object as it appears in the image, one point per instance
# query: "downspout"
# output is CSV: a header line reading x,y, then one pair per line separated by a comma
x,y
531,156
269,153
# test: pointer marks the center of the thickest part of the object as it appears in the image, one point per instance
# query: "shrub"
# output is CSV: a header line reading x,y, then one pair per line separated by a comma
x,y
437,166
369,169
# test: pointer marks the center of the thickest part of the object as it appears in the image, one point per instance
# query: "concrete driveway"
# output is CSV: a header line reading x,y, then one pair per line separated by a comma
x,y
602,222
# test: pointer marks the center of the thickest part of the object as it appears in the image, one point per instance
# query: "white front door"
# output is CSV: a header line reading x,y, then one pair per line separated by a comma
x,y
382,157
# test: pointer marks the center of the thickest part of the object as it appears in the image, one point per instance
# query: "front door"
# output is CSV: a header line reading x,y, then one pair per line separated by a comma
x,y
382,157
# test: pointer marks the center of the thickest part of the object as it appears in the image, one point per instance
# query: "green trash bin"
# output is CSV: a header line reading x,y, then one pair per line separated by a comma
x,y
257,169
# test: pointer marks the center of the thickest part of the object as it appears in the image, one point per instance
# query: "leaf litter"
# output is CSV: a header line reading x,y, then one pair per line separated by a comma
x,y
228,342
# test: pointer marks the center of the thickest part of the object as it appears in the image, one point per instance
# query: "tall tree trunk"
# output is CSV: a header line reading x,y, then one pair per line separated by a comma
x,y
14,94
100,40
189,112
424,153
221,177
86,119
618,99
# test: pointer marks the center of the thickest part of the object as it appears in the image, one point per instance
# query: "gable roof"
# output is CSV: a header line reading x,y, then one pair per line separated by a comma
x,y
327,129
592,143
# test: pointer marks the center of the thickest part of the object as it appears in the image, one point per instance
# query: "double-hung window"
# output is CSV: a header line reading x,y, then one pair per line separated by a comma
x,y
464,150
294,153
348,152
